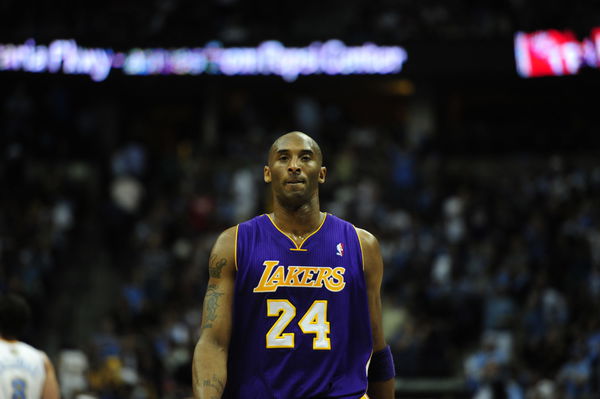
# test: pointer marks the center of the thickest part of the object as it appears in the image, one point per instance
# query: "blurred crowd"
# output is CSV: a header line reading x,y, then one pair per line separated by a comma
x,y
492,262
234,22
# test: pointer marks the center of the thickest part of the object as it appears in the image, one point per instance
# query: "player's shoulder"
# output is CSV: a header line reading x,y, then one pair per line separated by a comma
x,y
365,237
223,252
368,241
25,346
227,239
228,233
29,350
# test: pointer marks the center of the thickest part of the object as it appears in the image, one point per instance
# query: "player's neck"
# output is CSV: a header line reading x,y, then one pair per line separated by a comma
x,y
298,221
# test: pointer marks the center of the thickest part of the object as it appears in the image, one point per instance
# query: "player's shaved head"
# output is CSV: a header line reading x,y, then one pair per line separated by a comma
x,y
295,136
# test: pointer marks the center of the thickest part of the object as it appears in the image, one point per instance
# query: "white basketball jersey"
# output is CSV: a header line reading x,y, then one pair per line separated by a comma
x,y
22,372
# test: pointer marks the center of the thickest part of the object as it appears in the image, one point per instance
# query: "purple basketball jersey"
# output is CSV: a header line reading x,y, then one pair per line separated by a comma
x,y
301,326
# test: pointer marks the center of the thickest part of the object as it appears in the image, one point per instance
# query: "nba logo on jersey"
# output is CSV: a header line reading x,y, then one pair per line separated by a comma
x,y
340,249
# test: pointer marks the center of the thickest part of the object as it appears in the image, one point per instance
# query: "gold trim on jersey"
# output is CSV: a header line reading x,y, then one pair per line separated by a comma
x,y
297,247
362,254
237,226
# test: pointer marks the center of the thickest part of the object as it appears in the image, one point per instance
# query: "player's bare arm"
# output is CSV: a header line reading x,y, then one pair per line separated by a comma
x,y
378,388
51,390
209,367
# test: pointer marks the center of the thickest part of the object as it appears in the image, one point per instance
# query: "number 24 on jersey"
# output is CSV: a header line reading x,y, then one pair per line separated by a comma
x,y
314,321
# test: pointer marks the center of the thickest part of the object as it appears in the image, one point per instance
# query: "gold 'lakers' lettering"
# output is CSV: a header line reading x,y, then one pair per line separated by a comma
x,y
275,276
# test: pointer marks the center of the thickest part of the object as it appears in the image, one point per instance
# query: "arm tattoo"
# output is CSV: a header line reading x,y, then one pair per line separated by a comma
x,y
214,383
215,265
211,304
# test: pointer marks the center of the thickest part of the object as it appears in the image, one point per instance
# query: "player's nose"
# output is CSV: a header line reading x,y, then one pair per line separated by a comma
x,y
293,166
294,169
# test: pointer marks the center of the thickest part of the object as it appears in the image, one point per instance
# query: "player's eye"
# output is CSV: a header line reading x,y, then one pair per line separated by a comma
x,y
306,158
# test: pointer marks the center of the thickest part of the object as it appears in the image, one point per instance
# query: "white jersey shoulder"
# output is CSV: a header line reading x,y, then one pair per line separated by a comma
x,y
22,371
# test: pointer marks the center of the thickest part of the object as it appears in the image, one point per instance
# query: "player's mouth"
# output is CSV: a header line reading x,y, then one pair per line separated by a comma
x,y
295,182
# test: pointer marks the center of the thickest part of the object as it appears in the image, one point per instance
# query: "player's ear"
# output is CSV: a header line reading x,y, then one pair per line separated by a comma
x,y
322,174
267,174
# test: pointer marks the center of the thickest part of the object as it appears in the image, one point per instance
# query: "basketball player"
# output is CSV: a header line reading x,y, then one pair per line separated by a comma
x,y
293,309
25,372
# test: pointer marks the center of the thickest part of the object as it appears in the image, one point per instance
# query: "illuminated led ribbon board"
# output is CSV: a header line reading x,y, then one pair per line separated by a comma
x,y
555,53
332,57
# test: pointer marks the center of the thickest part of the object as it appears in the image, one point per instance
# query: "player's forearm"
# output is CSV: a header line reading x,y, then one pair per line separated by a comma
x,y
209,370
382,389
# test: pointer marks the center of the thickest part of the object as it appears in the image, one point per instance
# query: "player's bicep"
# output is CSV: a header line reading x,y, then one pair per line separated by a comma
x,y
216,314
373,276
218,300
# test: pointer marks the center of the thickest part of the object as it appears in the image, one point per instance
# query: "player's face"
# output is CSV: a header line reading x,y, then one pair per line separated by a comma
x,y
294,170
